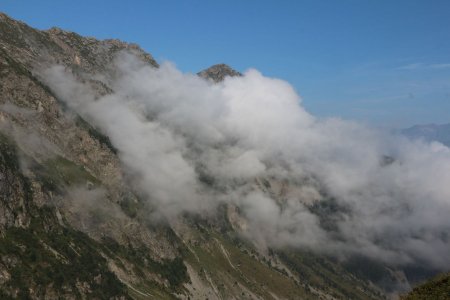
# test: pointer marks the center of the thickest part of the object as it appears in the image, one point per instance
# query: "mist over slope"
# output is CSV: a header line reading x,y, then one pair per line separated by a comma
x,y
430,133
190,144
120,179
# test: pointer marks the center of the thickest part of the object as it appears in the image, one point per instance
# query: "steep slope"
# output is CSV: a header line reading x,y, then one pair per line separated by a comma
x,y
72,169
74,225
436,288
40,257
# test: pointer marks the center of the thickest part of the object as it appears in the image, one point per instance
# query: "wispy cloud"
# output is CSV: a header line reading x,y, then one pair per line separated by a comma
x,y
414,66
422,66
440,66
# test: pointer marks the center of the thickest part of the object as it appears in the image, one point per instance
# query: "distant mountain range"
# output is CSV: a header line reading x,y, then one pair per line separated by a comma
x,y
430,132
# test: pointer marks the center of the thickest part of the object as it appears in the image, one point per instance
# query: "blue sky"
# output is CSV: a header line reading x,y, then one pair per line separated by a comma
x,y
384,62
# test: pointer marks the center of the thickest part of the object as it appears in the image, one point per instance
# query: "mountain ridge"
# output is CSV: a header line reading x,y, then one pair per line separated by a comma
x,y
68,197
430,132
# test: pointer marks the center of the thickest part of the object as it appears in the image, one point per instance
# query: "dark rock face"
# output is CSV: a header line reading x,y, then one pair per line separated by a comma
x,y
14,189
218,72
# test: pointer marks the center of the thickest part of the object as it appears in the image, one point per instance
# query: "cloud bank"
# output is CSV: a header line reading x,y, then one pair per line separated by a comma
x,y
331,184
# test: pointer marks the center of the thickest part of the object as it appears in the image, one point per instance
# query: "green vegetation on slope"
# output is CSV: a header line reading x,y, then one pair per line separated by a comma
x,y
327,275
58,172
174,271
437,288
233,270
41,258
46,255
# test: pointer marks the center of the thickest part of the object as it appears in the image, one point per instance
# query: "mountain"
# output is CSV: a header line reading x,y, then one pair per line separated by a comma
x,y
436,288
430,132
218,72
75,223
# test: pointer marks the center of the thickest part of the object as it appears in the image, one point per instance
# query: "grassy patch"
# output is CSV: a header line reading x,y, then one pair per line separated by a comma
x,y
58,172
229,267
327,275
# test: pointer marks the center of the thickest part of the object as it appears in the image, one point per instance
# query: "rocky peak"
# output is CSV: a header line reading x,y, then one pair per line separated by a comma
x,y
218,72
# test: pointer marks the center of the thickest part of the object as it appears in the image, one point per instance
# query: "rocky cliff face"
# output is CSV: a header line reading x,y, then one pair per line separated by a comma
x,y
72,225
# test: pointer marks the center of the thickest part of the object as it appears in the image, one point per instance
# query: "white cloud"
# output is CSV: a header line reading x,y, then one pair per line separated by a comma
x,y
423,66
169,127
